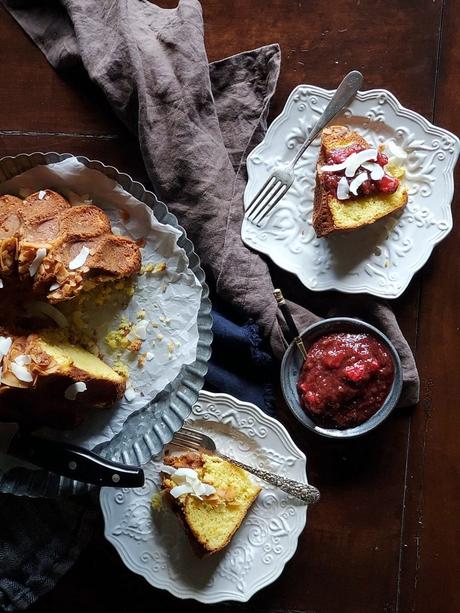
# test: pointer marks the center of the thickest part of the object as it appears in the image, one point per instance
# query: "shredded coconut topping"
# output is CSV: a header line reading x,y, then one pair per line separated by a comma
x,y
188,482
343,189
130,393
5,344
80,259
38,259
20,371
76,388
357,182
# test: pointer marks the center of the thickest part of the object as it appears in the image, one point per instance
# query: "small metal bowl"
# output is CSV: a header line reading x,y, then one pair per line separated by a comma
x,y
292,365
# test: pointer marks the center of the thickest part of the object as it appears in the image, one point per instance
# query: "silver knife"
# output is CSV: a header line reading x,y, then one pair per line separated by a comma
x,y
66,459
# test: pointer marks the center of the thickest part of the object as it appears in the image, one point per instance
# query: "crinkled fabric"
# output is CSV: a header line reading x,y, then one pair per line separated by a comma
x,y
39,541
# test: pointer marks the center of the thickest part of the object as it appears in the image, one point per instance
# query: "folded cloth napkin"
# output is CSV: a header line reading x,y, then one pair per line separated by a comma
x,y
239,365
195,124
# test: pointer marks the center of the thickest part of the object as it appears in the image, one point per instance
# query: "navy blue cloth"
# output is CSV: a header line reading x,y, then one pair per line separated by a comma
x,y
240,364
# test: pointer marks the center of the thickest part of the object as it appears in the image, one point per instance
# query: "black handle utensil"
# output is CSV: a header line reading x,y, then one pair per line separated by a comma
x,y
74,462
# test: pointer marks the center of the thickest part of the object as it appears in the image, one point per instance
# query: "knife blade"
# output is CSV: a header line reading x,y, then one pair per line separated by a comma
x,y
66,459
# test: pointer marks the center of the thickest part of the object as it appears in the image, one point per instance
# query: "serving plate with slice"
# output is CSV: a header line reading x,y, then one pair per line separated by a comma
x,y
380,259
139,428
154,545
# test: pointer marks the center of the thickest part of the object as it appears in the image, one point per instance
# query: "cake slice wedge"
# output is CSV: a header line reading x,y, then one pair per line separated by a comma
x,y
46,380
211,497
355,185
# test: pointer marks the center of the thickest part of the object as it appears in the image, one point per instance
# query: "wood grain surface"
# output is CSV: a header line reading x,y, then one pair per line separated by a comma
x,y
385,537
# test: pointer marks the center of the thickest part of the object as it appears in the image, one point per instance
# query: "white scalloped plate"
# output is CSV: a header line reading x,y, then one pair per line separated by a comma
x,y
154,545
379,259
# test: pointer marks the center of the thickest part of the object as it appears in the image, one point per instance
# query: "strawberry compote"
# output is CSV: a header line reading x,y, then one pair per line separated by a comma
x,y
345,379
385,185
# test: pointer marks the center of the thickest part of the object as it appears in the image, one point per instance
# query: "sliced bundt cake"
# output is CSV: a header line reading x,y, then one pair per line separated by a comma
x,y
62,249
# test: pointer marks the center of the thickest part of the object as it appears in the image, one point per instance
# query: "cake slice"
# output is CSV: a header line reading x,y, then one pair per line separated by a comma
x,y
355,185
211,497
47,381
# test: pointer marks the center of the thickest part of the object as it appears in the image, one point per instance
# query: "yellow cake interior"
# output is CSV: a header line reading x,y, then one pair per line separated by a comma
x,y
214,519
69,356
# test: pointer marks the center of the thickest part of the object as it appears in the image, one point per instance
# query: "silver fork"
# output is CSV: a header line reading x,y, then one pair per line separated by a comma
x,y
283,176
186,438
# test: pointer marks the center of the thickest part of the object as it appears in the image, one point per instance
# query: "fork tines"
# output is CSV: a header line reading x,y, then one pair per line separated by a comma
x,y
187,438
266,198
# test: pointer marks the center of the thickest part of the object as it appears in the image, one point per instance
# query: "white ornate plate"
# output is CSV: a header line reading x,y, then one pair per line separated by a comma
x,y
155,546
379,259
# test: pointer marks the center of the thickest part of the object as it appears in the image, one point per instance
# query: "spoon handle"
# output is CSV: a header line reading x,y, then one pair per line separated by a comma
x,y
303,491
343,94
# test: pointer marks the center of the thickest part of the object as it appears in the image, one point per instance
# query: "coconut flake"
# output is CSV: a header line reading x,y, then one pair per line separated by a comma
x,y
117,231
41,194
395,150
39,256
179,490
185,474
343,189
355,160
5,344
335,167
80,259
21,372
53,287
76,388
357,182
44,308
376,170
23,359
149,356
169,470
130,394
140,329
188,482
1,283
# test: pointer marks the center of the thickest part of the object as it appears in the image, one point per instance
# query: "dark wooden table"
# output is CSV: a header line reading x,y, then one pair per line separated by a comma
x,y
386,534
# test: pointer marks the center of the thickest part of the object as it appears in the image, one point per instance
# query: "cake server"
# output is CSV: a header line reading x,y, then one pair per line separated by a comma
x,y
66,459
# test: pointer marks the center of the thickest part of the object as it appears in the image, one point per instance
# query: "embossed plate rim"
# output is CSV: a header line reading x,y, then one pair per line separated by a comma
x,y
213,594
424,249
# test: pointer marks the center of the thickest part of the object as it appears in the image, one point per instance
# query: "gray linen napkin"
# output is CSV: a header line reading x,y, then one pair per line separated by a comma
x,y
195,124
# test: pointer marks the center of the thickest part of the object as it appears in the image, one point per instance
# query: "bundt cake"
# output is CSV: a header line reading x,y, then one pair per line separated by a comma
x,y
210,496
61,249
355,185
47,381
53,251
